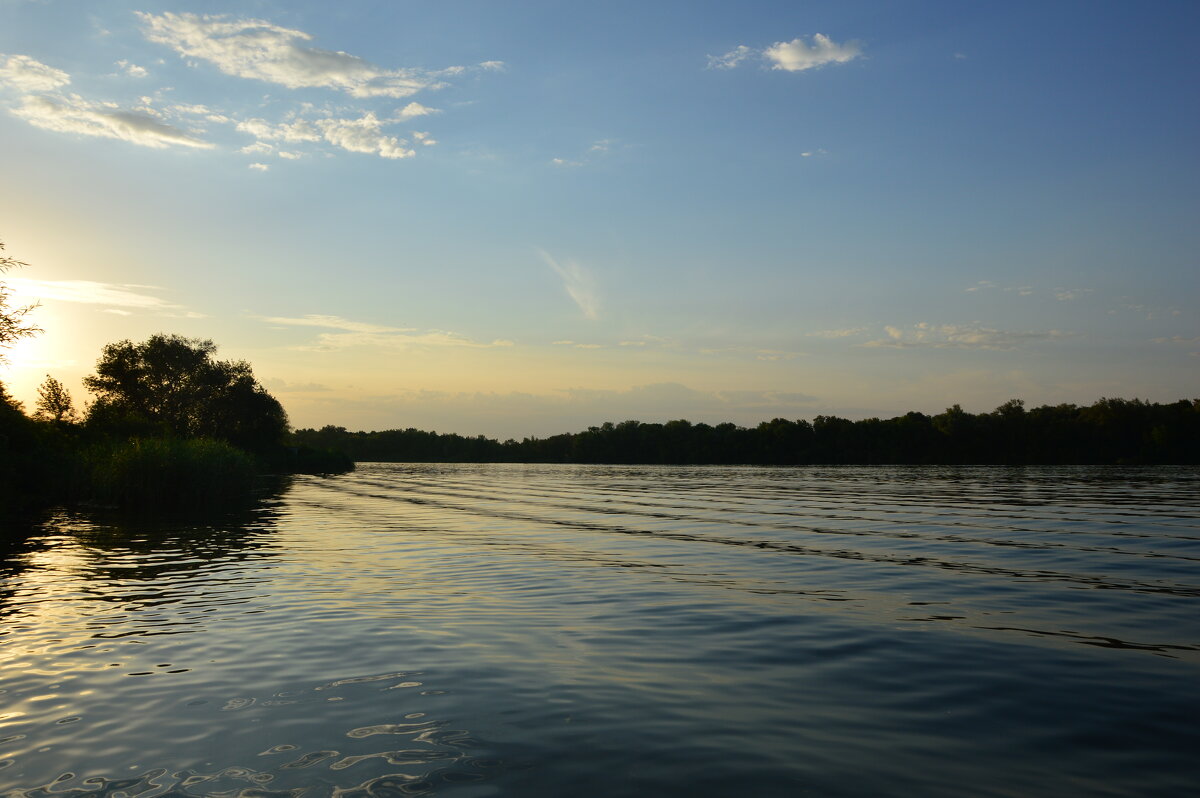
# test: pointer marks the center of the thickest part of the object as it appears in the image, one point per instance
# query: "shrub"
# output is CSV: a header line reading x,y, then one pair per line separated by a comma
x,y
157,474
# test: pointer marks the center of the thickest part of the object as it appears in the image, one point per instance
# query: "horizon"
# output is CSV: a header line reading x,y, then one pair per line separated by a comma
x,y
529,220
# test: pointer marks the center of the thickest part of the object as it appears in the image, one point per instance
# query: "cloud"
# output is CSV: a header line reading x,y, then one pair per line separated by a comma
x,y
365,334
118,297
424,138
794,56
282,386
578,283
260,167
844,332
258,50
73,114
1067,294
1177,339
333,342
960,336
597,149
363,135
132,70
27,74
415,109
333,323
758,354
732,58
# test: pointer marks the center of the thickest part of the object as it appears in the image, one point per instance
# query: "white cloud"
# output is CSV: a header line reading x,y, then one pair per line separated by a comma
x,y
364,134
260,167
118,297
1177,339
578,283
961,336
794,56
424,138
415,109
259,50
27,74
1067,294
132,70
73,114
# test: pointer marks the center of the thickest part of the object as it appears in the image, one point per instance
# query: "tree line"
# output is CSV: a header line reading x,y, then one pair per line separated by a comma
x,y
1109,431
169,426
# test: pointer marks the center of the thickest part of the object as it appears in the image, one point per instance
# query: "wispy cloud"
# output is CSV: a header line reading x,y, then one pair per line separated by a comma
x,y
845,332
333,323
578,283
26,74
363,135
364,334
961,336
41,107
259,50
794,56
73,114
121,299
1067,294
597,149
769,355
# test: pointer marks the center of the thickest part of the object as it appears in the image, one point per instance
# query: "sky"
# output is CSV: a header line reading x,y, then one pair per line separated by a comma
x,y
530,217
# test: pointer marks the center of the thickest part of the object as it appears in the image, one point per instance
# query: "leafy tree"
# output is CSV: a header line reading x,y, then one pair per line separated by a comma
x,y
13,325
54,402
174,385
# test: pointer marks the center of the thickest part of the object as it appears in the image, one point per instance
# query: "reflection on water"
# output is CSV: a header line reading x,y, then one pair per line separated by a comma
x,y
471,630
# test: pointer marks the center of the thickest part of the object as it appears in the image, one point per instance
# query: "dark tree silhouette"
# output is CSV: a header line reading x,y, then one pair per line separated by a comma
x,y
174,385
54,402
13,324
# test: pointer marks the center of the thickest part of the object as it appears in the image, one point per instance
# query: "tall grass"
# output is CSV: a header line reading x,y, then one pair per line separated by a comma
x,y
156,474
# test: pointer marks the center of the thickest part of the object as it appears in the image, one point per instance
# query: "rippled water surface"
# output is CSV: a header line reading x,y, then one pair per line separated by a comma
x,y
467,630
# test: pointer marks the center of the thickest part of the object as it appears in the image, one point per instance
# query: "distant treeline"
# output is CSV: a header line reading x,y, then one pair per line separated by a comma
x,y
1110,431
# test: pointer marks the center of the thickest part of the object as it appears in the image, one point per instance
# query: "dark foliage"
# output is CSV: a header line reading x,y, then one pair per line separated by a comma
x,y
1110,431
171,385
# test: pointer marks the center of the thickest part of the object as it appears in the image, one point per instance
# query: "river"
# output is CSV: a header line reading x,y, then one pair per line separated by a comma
x,y
540,630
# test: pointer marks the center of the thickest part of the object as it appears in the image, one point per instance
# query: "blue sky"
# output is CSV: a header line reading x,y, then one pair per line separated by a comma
x,y
529,217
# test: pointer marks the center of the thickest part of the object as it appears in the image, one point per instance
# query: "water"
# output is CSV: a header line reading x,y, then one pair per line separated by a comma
x,y
466,630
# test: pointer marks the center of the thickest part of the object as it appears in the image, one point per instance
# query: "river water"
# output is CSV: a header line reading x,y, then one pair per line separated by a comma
x,y
533,630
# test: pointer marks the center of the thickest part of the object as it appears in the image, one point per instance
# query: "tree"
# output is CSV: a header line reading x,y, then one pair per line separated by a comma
x,y
13,325
54,402
174,385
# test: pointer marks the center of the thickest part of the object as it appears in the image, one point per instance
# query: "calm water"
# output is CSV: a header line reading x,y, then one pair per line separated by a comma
x,y
464,630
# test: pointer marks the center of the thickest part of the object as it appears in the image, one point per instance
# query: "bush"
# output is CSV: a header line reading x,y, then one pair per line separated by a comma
x,y
156,474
